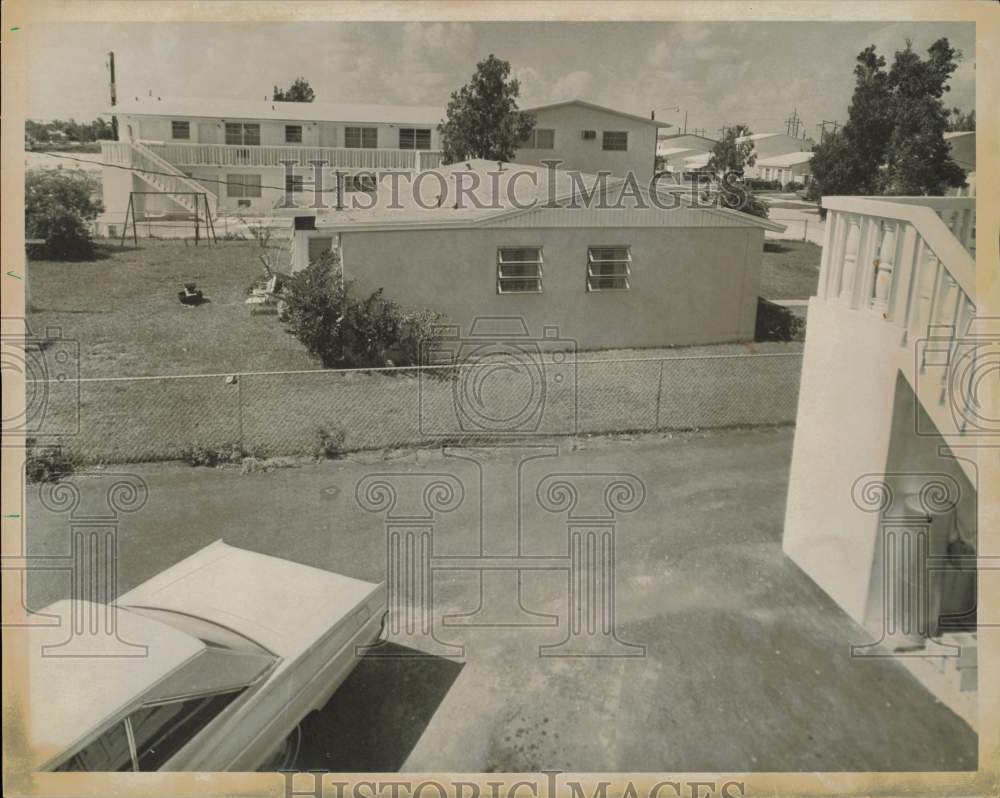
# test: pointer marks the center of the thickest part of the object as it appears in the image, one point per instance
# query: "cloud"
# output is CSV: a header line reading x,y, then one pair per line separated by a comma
x,y
572,86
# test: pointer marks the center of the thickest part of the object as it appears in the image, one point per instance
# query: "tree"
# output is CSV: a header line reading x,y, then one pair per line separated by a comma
x,y
57,207
299,92
918,158
730,155
893,141
482,117
727,162
961,122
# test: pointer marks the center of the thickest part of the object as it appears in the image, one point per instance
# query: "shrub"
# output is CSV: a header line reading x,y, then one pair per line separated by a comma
x,y
195,455
793,186
777,323
46,463
346,332
329,443
57,207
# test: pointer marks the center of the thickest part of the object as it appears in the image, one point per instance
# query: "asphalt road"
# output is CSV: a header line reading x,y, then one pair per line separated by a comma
x,y
745,665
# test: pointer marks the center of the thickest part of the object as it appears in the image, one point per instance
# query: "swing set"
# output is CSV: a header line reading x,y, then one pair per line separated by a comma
x,y
200,199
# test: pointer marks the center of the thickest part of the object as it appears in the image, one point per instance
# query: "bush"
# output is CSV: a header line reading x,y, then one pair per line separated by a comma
x,y
46,463
345,332
57,207
762,185
777,323
793,186
207,456
330,443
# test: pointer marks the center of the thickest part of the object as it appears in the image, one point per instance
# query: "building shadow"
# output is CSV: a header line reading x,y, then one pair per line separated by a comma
x,y
378,714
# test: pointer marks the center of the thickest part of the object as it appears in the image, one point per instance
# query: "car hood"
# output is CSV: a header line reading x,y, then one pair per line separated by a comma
x,y
284,606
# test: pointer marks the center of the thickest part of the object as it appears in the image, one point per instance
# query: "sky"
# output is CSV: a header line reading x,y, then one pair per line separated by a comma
x,y
719,73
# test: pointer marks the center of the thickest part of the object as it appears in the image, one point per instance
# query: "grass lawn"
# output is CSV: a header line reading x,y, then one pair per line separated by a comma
x,y
123,311
790,269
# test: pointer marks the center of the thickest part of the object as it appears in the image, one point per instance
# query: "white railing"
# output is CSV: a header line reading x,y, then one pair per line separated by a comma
x,y
903,259
265,155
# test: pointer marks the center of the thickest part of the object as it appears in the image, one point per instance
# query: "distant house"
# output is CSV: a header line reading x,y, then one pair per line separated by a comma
x,y
963,152
673,151
768,145
592,138
793,167
234,151
963,148
627,275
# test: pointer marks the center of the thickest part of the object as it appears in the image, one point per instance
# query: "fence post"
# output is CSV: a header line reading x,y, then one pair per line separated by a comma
x,y
239,411
805,231
659,393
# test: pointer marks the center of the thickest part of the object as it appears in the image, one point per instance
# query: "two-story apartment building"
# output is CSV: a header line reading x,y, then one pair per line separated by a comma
x,y
591,138
235,150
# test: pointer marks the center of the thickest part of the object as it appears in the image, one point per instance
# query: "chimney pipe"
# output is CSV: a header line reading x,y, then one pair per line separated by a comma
x,y
652,115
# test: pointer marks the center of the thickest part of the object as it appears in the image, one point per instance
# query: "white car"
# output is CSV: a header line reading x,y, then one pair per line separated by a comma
x,y
240,647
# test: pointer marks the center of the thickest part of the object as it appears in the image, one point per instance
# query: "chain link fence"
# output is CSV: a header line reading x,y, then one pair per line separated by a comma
x,y
122,420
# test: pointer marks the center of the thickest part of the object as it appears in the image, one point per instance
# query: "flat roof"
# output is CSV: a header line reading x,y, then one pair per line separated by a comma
x,y
230,108
519,189
788,159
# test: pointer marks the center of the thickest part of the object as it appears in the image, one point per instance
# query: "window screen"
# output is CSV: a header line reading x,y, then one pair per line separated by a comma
x,y
414,138
615,140
358,137
180,130
519,270
608,268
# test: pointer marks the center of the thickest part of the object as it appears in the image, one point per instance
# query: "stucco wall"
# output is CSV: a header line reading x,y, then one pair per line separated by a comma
x,y
688,285
570,121
843,430
213,131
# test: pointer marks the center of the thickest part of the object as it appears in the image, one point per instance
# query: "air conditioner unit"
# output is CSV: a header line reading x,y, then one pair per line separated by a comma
x,y
589,134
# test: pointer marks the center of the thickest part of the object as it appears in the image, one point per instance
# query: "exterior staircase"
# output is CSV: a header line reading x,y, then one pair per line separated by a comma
x,y
157,174
894,404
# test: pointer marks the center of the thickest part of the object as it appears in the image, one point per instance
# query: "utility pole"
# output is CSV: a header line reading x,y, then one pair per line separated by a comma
x,y
792,124
822,126
112,93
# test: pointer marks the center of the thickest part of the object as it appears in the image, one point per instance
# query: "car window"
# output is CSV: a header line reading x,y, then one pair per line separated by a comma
x,y
162,730
108,752
208,632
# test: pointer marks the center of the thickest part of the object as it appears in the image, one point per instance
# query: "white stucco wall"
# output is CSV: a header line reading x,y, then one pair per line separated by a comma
x,y
569,122
688,285
272,133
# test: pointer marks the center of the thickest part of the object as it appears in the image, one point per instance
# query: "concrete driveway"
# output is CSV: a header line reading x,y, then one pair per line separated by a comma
x,y
746,665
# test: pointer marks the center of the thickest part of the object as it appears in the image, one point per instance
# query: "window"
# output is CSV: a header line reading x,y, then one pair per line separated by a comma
x,y
615,140
109,752
589,135
608,268
293,134
414,138
240,133
539,139
519,270
360,182
180,130
242,185
162,730
357,137
294,183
